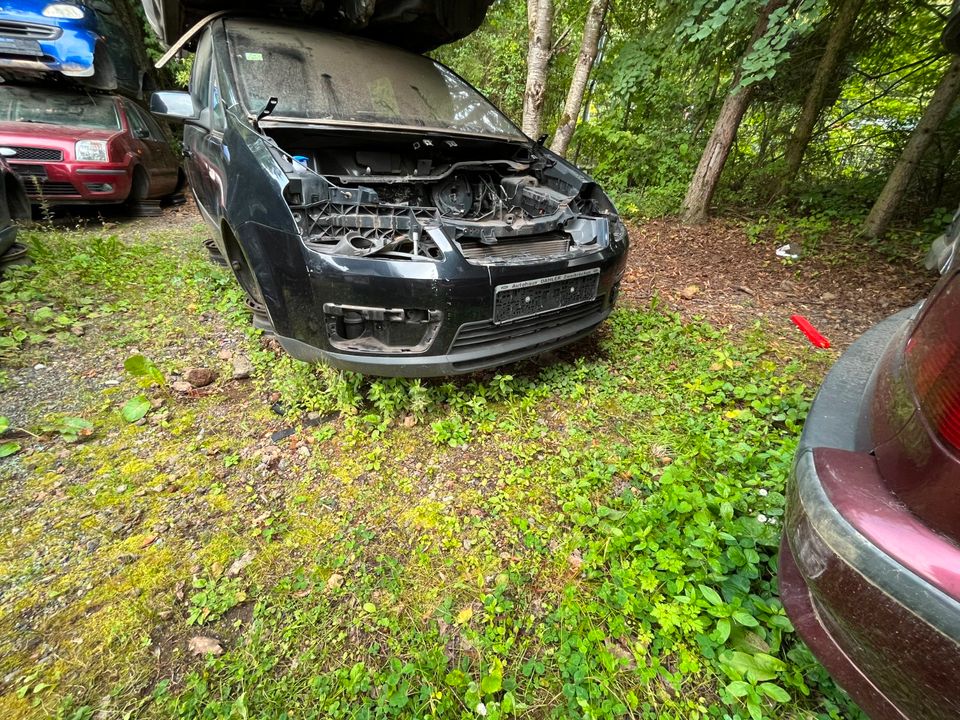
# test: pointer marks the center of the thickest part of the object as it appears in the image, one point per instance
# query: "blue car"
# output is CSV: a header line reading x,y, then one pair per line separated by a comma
x,y
85,41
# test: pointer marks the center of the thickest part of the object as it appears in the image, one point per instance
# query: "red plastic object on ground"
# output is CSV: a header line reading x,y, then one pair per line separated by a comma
x,y
815,338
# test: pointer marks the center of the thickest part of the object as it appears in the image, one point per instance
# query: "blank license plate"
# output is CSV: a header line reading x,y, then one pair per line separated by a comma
x,y
534,297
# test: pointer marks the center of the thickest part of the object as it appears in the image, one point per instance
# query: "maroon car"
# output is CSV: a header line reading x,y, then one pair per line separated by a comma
x,y
76,147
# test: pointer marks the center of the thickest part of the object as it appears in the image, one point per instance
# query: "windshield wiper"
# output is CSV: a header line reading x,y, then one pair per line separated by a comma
x,y
28,120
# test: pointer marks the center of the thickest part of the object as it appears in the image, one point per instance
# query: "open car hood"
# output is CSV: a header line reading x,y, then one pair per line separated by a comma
x,y
417,25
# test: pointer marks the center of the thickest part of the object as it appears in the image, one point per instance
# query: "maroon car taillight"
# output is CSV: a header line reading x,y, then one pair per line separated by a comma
x,y
933,362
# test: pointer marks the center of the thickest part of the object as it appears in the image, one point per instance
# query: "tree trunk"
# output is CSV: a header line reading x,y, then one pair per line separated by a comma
x,y
540,28
847,12
696,204
937,110
592,30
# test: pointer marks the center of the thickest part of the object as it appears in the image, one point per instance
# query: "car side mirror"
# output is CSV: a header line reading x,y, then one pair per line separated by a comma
x,y
173,105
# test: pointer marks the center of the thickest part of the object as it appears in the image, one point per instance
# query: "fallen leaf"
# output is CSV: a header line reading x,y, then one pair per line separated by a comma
x,y
335,581
463,617
240,563
200,645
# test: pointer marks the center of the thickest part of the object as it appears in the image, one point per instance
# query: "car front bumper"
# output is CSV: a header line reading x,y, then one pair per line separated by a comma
x,y
459,298
869,588
37,45
75,182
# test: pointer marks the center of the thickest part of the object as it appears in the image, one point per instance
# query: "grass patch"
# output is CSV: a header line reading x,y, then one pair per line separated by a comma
x,y
593,535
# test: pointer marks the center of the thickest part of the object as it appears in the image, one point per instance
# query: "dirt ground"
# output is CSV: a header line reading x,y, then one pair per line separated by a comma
x,y
733,283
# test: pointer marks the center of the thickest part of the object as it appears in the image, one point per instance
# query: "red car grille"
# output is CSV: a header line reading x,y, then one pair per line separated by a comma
x,y
33,31
33,153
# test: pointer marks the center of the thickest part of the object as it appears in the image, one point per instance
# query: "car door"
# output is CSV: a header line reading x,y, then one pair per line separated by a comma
x,y
195,131
203,137
153,149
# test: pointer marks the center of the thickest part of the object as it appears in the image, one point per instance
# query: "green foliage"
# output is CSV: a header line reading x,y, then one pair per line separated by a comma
x,y
214,596
71,429
135,408
666,486
147,374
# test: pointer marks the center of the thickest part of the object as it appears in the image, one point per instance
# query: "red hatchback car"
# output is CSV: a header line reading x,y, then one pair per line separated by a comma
x,y
870,555
75,147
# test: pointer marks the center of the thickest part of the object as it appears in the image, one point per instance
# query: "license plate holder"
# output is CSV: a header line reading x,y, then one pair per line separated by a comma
x,y
20,46
519,300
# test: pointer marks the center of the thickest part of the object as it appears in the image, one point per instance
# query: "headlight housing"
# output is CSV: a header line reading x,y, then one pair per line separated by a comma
x,y
92,150
63,10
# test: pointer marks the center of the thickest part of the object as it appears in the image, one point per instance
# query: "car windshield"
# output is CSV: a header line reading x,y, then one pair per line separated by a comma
x,y
19,104
325,76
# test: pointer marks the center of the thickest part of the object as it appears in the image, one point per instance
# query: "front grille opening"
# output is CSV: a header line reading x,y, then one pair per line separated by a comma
x,y
484,334
34,31
532,247
46,189
35,153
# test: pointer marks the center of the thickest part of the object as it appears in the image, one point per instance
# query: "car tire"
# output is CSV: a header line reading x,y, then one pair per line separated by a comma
x,y
15,255
139,186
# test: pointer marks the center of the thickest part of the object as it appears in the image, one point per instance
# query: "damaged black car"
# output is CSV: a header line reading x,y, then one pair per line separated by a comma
x,y
380,213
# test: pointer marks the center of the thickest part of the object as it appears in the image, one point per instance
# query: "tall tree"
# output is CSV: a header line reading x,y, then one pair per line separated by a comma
x,y
942,101
539,50
696,204
592,30
844,18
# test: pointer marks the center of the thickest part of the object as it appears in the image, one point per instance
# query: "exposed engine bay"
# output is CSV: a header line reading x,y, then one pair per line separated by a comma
x,y
391,200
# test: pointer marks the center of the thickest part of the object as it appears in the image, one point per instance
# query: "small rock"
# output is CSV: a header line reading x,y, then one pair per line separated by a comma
x,y
199,376
225,354
240,563
181,386
690,292
200,645
111,382
303,451
39,366
121,489
242,367
270,455
575,560
77,330
828,297
409,421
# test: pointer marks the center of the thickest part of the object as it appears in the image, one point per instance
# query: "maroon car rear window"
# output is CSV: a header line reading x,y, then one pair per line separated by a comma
x,y
933,358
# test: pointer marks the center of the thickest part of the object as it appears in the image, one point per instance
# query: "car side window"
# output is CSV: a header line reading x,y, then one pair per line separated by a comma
x,y
200,77
137,125
140,121
218,116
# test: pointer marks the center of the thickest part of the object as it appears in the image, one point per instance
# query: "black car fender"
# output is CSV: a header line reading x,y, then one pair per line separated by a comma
x,y
258,218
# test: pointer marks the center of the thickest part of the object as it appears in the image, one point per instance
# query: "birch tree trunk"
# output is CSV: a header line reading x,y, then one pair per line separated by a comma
x,y
892,194
847,12
592,30
696,204
539,50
